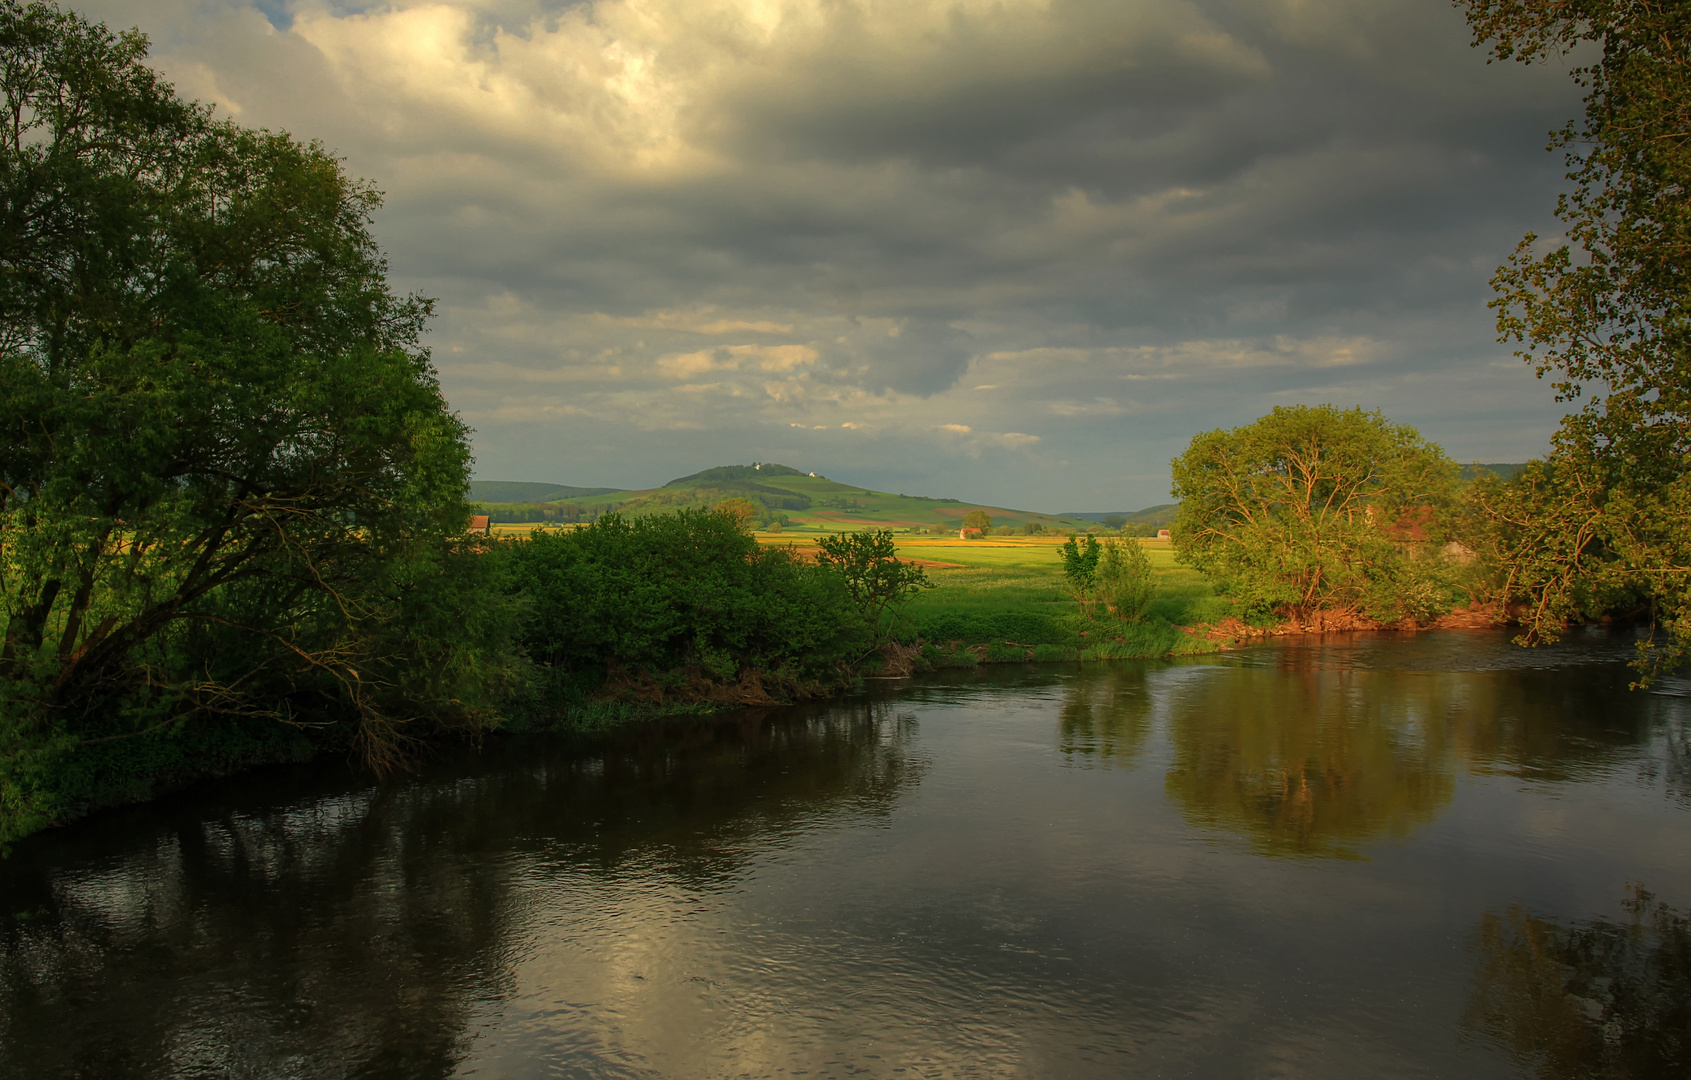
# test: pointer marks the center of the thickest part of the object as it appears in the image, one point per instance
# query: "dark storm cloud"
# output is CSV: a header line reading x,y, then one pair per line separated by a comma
x,y
1019,251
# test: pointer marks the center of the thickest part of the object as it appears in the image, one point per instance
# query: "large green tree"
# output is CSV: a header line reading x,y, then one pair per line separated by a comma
x,y
230,489
1605,312
1315,512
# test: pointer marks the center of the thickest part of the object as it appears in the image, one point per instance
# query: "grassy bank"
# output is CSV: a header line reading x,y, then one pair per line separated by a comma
x,y
1002,600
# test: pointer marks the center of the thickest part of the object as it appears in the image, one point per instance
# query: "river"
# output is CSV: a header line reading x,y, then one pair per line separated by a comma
x,y
1375,855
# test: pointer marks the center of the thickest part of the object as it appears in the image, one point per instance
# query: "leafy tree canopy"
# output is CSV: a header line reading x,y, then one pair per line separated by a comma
x,y
1607,315
760,471
659,594
743,512
878,581
1124,579
229,484
1314,511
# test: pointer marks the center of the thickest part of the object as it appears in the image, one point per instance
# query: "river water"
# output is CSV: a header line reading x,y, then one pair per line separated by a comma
x,y
1436,855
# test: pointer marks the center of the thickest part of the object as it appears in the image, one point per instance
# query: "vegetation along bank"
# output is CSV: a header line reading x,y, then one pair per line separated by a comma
x,y
233,501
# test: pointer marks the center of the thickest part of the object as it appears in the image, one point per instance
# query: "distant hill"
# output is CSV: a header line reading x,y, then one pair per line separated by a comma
x,y
802,500
516,491
1160,515
754,472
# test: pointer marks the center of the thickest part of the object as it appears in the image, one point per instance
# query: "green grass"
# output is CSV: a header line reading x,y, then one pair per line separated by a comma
x,y
1008,595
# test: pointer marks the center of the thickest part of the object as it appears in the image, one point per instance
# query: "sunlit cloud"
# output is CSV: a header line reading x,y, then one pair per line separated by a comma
x,y
666,234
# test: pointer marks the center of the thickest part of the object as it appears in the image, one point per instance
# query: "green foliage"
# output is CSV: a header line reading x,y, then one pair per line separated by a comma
x,y
668,597
1561,542
1608,316
550,513
230,490
1080,567
727,481
743,512
1124,580
977,519
878,582
981,623
1317,511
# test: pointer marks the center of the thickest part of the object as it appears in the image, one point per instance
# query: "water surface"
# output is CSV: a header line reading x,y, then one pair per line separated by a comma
x,y
1379,855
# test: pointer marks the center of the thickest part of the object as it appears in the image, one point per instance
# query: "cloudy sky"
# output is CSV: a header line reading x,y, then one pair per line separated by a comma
x,y
1011,251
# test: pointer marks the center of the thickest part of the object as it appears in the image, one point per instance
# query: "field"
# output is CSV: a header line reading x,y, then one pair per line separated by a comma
x,y
1006,596
1004,599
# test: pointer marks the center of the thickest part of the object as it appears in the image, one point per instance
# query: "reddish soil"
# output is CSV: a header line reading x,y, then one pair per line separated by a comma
x,y
1231,630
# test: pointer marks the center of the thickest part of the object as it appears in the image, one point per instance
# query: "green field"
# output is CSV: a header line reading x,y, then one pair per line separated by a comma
x,y
997,598
1004,598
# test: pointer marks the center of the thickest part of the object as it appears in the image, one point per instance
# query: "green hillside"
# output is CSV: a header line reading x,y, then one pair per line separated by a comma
x,y
754,472
1158,516
516,491
799,500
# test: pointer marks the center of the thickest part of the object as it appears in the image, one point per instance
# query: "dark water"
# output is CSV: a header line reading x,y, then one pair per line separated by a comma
x,y
1433,856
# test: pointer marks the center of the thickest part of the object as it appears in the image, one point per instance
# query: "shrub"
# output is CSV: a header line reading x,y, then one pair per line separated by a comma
x,y
666,596
1124,581
877,581
1080,568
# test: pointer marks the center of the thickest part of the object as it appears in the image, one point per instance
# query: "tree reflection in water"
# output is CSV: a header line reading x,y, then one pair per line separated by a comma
x,y
1309,757
356,932
1106,715
1595,999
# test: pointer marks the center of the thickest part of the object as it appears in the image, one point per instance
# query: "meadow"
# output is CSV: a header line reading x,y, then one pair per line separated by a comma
x,y
1003,599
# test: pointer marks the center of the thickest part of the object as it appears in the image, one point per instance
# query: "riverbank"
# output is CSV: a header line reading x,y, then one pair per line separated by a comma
x,y
1002,600
997,601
